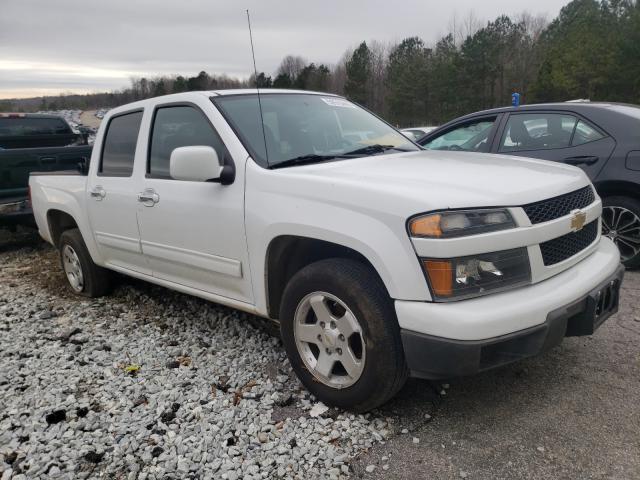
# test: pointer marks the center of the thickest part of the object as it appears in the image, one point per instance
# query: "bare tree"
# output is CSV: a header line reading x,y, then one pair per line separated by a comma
x,y
379,59
526,56
533,25
462,28
339,77
291,65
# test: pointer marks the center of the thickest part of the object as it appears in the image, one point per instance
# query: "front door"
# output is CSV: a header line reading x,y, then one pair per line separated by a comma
x,y
192,233
111,195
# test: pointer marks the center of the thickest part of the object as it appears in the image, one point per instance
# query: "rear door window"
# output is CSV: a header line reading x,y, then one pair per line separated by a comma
x,y
179,126
537,131
119,149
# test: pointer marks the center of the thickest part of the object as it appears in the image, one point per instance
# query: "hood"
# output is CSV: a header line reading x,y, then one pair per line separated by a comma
x,y
432,180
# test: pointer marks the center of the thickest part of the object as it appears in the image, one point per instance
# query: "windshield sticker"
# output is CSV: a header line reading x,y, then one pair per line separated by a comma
x,y
338,102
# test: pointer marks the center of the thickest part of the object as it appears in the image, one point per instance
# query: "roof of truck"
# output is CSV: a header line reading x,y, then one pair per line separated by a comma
x,y
182,96
250,91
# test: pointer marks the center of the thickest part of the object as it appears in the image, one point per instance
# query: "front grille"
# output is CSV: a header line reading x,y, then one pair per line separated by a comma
x,y
566,246
557,207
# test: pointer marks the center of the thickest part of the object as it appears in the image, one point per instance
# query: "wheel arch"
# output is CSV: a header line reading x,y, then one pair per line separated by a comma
x,y
57,222
610,188
287,254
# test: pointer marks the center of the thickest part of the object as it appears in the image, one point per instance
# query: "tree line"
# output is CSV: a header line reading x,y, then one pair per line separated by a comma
x,y
590,50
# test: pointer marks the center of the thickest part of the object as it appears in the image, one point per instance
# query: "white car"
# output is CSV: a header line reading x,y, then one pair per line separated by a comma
x,y
414,133
378,259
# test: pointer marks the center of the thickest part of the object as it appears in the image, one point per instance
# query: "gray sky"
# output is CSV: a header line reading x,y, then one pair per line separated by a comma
x,y
53,46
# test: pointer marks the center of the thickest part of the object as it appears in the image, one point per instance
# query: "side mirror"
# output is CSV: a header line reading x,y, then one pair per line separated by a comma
x,y
199,164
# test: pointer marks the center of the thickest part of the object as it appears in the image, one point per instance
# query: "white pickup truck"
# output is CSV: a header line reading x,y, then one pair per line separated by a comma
x,y
378,259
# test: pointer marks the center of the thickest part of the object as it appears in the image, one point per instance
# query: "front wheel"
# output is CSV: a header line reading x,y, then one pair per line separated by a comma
x,y
341,334
621,223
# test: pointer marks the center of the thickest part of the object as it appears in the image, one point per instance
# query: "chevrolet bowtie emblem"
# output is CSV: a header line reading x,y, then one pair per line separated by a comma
x,y
577,220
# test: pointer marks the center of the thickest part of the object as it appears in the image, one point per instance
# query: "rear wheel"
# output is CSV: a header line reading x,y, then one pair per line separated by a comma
x,y
84,277
341,334
621,223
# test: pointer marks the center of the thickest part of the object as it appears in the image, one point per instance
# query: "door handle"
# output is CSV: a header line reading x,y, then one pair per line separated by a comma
x,y
47,160
98,192
149,197
581,160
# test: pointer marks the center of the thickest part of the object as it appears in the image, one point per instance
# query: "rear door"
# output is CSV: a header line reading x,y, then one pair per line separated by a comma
x,y
111,194
559,136
193,233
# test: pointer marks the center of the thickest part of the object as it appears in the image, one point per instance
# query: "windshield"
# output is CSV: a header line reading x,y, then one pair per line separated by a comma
x,y
299,126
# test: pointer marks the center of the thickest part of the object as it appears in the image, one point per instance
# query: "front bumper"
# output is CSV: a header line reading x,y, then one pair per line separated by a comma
x,y
568,309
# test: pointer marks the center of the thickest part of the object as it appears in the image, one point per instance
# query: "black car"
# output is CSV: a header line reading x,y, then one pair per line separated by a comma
x,y
601,138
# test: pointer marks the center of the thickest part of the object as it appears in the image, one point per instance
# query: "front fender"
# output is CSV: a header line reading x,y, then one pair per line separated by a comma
x,y
382,241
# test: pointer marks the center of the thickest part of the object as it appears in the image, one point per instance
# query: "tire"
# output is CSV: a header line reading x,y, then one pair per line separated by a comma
x,y
344,289
621,223
90,279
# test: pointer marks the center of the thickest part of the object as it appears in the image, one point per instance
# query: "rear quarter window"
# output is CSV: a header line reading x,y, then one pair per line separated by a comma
x,y
585,133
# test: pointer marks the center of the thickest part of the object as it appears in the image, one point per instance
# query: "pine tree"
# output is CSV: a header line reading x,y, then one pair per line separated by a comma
x,y
358,73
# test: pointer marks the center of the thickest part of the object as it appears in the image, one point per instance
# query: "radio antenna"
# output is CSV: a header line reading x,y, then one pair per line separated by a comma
x,y
255,73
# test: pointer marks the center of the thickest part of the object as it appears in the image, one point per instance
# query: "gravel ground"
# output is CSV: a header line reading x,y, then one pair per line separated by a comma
x,y
149,383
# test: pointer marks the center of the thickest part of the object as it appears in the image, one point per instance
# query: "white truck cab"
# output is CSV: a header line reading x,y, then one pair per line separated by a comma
x,y
377,258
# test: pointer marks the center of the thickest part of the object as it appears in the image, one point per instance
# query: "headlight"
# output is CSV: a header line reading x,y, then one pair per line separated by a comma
x,y
458,223
475,275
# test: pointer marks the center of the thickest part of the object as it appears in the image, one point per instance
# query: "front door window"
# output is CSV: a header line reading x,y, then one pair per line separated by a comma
x,y
470,137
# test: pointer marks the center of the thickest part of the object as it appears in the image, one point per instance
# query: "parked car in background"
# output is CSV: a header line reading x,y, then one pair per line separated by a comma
x,y
601,138
377,258
31,142
414,133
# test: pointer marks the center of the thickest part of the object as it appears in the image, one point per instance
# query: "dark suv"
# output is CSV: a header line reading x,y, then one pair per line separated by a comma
x,y
601,138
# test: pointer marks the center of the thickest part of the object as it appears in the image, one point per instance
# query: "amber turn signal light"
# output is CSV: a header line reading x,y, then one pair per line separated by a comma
x,y
428,226
440,276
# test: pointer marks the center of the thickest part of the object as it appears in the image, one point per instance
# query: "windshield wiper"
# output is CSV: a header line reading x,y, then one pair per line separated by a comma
x,y
375,148
304,160
315,158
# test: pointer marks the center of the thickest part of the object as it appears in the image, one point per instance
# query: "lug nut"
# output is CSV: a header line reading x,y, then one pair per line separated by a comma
x,y
319,337
322,324
341,337
328,351
333,325
339,350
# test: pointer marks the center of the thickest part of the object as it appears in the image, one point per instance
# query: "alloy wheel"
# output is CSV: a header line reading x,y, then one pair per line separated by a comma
x,y
329,339
623,227
72,268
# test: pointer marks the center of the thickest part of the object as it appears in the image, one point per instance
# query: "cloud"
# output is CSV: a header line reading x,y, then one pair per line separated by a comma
x,y
80,44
